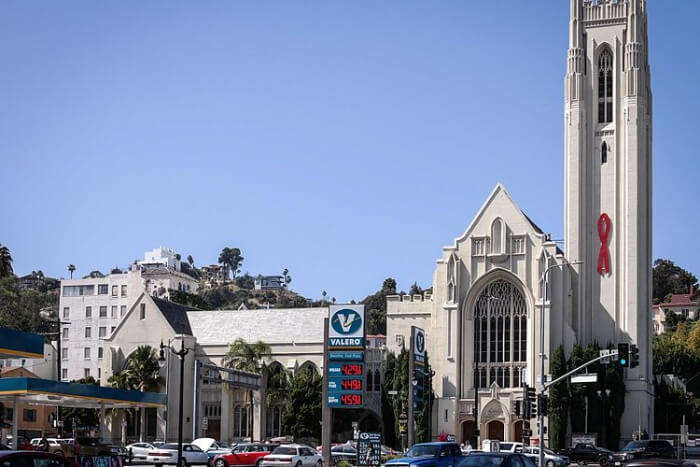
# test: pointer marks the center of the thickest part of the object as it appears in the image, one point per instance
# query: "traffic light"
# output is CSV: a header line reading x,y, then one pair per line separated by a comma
x,y
634,356
623,353
542,401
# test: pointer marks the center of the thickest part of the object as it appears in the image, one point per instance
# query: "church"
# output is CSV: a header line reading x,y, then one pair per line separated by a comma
x,y
482,320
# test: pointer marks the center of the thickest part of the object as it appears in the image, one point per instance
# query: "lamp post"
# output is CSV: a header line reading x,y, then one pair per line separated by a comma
x,y
47,315
543,299
161,361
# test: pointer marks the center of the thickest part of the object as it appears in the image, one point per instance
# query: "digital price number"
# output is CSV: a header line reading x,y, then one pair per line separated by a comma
x,y
351,399
354,384
351,369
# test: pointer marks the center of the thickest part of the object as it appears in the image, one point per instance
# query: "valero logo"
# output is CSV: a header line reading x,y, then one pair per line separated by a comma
x,y
346,321
420,342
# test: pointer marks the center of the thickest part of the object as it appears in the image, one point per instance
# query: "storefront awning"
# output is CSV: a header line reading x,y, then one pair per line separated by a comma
x,y
49,392
15,344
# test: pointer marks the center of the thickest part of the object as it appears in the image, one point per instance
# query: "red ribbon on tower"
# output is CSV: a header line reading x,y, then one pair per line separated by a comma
x,y
604,225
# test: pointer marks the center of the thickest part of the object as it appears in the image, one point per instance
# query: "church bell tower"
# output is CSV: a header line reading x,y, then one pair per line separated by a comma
x,y
608,169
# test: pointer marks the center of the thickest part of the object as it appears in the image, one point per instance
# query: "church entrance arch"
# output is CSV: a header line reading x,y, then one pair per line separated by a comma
x,y
496,430
518,431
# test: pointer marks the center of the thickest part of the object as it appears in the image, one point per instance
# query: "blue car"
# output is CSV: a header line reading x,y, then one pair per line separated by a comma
x,y
429,455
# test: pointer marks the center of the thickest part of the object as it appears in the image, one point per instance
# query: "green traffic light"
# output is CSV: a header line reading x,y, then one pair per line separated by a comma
x,y
623,362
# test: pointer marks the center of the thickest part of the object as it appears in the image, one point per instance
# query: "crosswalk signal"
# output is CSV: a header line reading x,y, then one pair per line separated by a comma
x,y
634,356
623,353
542,401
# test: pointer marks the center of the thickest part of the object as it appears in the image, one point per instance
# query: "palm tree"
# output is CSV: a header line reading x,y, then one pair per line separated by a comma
x,y
143,372
247,357
71,268
5,262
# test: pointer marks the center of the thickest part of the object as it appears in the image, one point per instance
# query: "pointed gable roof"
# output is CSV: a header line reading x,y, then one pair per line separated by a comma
x,y
499,188
175,314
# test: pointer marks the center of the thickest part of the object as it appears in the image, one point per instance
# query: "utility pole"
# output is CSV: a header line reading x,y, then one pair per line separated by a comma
x,y
411,420
326,411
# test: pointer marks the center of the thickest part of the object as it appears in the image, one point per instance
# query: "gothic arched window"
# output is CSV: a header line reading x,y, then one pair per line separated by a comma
x,y
604,153
498,237
377,381
500,324
605,87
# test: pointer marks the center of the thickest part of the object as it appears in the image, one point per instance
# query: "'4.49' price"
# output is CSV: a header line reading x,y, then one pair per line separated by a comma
x,y
351,399
351,384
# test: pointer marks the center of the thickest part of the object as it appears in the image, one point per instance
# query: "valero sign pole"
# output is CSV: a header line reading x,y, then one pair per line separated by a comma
x,y
344,361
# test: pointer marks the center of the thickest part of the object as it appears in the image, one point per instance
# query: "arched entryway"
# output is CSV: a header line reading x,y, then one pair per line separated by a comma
x,y
496,430
518,431
467,431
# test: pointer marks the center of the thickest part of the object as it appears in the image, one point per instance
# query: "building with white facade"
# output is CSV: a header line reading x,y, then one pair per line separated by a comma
x,y
684,305
93,307
295,337
482,321
269,282
161,257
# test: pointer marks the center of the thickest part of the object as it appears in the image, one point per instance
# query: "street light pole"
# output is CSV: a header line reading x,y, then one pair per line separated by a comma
x,y
543,299
181,355
45,314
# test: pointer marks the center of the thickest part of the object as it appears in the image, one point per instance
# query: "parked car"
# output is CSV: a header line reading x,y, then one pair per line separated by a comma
x,y
292,455
119,451
244,454
645,449
586,453
495,459
139,451
86,446
344,452
167,454
507,446
22,445
551,459
53,445
31,458
438,454
212,447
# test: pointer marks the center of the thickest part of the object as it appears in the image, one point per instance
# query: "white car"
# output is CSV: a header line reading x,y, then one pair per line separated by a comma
x,y
167,454
211,447
293,455
509,446
139,451
551,459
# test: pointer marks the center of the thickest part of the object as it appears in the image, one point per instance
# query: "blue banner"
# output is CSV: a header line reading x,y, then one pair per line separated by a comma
x,y
346,355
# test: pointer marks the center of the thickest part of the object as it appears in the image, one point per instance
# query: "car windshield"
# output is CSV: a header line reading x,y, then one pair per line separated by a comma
x,y
506,446
172,446
284,451
633,445
478,460
423,450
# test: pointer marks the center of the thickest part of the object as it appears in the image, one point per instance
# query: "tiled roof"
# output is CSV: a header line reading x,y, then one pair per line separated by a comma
x,y
683,299
176,315
275,325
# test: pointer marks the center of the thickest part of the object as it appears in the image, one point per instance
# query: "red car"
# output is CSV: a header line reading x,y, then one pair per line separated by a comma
x,y
246,454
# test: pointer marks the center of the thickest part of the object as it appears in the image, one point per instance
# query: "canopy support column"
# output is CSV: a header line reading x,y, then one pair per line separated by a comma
x,y
15,422
103,425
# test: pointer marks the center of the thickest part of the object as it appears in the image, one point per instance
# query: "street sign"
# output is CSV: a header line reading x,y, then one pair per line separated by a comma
x,y
606,360
592,378
369,449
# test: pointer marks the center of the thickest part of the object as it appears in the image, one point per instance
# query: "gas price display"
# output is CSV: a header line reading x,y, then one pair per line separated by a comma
x,y
351,369
351,399
353,384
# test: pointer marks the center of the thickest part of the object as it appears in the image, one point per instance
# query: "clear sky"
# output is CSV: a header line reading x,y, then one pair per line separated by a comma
x,y
347,141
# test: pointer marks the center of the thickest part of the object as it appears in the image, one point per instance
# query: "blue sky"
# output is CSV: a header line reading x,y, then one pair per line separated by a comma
x,y
346,141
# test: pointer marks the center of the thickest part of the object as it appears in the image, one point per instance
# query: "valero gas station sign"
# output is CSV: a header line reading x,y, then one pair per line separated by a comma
x,y
346,356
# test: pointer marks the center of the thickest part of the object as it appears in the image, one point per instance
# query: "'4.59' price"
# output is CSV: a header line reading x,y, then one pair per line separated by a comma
x,y
351,399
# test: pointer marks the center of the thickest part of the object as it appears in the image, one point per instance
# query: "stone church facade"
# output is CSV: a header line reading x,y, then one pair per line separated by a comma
x,y
482,320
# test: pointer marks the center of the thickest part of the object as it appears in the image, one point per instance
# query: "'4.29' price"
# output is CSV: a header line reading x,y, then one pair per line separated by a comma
x,y
351,369
351,399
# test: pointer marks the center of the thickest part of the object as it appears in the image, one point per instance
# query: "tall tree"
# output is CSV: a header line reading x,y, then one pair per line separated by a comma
x,y
143,372
669,278
71,269
301,418
5,262
232,258
558,401
375,306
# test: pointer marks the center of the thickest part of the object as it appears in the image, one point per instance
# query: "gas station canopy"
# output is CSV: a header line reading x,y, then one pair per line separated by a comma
x,y
49,392
15,344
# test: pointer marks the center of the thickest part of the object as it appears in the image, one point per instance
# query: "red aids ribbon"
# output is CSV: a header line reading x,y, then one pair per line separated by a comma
x,y
604,225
